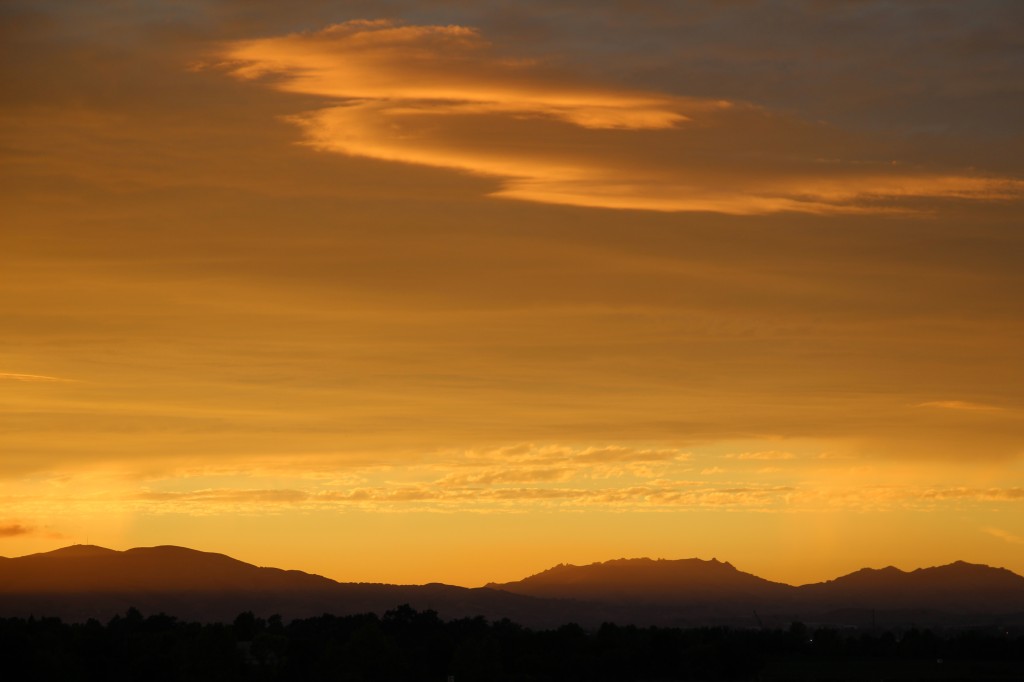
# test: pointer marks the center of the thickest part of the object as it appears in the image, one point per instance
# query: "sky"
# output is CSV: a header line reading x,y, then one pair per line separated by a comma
x,y
409,291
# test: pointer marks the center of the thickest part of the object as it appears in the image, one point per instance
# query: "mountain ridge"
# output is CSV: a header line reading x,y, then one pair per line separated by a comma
x,y
645,580
88,550
85,581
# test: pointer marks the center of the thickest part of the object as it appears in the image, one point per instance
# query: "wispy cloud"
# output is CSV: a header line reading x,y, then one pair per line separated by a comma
x,y
591,458
836,456
531,463
1005,535
961,405
11,530
226,495
511,475
762,455
442,71
487,491
443,96
10,376
984,494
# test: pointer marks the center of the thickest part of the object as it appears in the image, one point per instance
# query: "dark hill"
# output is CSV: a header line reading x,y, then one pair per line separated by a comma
x,y
693,591
959,587
83,581
87,568
648,580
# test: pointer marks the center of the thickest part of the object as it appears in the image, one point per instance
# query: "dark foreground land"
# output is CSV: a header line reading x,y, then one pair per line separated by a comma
x,y
408,645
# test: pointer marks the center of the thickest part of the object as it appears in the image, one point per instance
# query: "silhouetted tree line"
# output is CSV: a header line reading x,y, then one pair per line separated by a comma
x,y
406,645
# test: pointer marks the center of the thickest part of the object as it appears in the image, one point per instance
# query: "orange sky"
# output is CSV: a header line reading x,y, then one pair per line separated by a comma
x,y
507,284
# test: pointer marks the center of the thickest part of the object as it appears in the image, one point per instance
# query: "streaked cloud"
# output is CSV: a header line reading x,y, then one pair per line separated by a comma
x,y
10,530
440,71
566,455
529,462
1005,535
762,455
961,405
510,475
985,494
230,495
613,453
442,96
466,498
835,456
438,487
473,494
9,376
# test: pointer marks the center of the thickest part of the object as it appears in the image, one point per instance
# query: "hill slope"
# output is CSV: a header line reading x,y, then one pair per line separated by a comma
x,y
959,587
88,568
85,581
648,580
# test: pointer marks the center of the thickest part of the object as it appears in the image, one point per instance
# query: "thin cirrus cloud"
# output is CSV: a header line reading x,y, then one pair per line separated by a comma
x,y
762,455
31,378
467,498
530,463
441,96
962,405
448,495
1005,536
551,475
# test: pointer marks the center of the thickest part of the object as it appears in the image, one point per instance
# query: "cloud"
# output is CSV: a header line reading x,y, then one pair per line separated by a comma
x,y
836,455
31,377
961,405
536,493
1005,535
764,455
492,489
442,96
624,454
553,453
11,530
438,71
639,496
226,495
982,494
515,475
531,463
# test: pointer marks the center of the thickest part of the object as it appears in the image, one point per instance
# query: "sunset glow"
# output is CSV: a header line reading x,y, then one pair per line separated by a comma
x,y
498,286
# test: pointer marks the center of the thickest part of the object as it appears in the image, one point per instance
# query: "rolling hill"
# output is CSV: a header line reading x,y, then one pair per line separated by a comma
x,y
85,581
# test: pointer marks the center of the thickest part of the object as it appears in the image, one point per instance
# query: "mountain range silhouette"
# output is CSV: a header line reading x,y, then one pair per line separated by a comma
x,y
86,581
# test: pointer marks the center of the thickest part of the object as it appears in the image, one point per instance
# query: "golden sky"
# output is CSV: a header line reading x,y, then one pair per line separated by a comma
x,y
499,285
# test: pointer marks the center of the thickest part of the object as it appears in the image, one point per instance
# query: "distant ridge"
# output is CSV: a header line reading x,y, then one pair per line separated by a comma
x,y
646,580
960,586
88,568
86,581
695,590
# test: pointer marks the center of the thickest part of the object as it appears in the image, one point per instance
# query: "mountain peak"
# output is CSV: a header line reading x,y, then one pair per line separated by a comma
x,y
85,580
76,551
161,569
642,579
174,551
